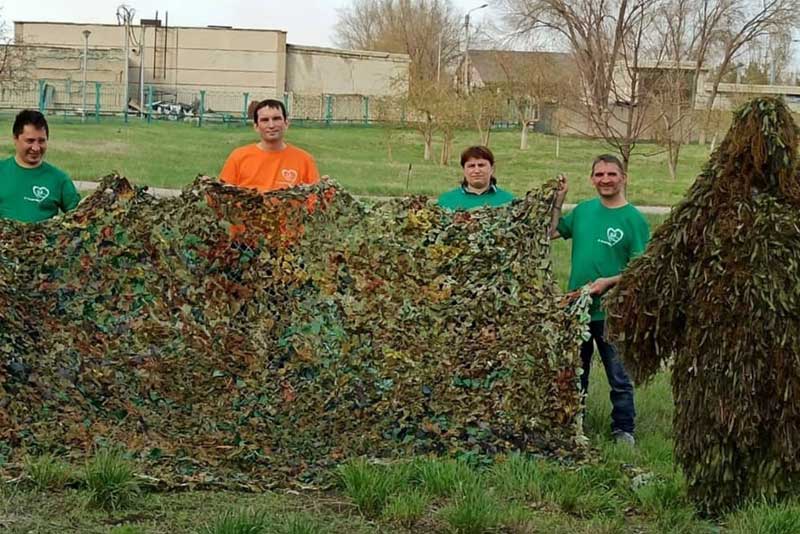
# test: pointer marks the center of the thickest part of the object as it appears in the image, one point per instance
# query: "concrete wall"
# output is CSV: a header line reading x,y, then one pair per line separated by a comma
x,y
178,61
315,70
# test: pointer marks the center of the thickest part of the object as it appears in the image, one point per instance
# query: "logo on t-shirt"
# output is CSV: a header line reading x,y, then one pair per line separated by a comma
x,y
39,193
614,236
289,176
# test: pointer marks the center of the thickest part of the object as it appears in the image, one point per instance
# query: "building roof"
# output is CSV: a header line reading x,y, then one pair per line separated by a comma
x,y
496,66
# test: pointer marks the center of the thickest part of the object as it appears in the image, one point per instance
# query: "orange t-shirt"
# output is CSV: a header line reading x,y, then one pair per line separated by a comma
x,y
251,167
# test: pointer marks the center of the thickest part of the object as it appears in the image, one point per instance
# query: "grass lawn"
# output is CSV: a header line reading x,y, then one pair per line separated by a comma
x,y
170,154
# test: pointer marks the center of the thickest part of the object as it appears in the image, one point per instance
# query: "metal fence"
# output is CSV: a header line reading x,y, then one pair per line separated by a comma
x,y
95,101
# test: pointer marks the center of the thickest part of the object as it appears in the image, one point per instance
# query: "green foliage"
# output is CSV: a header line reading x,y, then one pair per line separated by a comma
x,y
473,510
407,507
245,521
766,518
369,485
48,472
236,338
716,295
580,493
519,477
110,480
442,477
127,529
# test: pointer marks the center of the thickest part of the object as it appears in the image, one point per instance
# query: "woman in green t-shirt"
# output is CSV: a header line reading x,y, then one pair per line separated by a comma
x,y
479,186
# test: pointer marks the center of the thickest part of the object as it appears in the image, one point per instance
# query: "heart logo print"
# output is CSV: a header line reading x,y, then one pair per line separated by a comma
x,y
614,236
39,193
289,176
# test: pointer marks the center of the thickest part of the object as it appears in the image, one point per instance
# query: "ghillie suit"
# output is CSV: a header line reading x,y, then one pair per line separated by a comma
x,y
327,329
717,295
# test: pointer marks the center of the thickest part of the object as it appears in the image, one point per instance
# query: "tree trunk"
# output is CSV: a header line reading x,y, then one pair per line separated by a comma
x,y
428,146
523,141
485,136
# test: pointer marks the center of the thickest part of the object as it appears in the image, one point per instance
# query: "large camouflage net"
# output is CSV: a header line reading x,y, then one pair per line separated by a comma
x,y
717,294
324,329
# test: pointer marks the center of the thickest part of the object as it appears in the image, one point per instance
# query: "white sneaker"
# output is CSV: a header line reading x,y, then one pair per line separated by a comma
x,y
620,436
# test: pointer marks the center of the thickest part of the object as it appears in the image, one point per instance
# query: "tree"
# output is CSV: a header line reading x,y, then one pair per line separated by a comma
x,y
531,80
607,39
485,106
427,30
745,21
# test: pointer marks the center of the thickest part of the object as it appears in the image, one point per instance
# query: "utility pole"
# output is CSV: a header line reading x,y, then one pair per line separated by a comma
x,y
466,46
86,34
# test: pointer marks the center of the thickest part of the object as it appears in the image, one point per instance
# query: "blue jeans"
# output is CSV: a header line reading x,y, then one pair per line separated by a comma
x,y
622,412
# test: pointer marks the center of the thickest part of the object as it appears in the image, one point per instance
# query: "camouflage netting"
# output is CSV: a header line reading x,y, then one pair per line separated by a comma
x,y
326,329
717,294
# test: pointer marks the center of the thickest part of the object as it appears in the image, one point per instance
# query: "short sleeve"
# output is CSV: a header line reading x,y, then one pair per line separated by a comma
x,y
69,195
565,225
312,176
641,236
230,171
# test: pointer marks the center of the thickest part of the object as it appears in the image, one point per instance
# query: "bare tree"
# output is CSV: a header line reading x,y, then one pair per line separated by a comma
x,y
743,22
485,107
427,30
532,80
682,39
13,65
608,41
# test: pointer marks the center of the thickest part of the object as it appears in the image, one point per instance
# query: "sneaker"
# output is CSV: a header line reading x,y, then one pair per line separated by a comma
x,y
620,436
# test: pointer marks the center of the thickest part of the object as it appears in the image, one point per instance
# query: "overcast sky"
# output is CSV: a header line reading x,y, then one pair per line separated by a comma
x,y
307,22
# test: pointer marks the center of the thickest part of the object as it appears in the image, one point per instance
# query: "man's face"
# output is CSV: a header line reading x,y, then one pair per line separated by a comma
x,y
478,174
31,144
608,179
271,125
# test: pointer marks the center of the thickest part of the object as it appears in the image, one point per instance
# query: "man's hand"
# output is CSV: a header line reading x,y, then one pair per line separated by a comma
x,y
601,285
555,216
561,193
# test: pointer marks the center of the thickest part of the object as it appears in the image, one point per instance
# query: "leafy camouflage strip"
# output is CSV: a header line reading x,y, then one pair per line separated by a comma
x,y
322,330
716,296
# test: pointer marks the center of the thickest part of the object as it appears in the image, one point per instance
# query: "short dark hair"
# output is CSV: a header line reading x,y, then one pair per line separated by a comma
x,y
32,117
477,152
269,103
608,158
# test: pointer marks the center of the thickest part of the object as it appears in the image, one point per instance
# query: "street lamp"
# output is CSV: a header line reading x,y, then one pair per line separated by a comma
x,y
466,46
86,34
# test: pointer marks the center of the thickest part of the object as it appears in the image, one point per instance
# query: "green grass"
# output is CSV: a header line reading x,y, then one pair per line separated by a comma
x,y
170,154
110,480
371,485
47,472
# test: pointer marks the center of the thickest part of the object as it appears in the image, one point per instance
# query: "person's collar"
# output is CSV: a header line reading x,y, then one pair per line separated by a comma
x,y
23,165
492,189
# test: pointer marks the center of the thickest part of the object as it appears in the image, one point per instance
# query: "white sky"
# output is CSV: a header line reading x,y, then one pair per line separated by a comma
x,y
307,22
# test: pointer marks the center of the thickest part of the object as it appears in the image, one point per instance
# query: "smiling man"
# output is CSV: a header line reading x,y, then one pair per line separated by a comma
x,y
31,189
606,232
271,163
479,186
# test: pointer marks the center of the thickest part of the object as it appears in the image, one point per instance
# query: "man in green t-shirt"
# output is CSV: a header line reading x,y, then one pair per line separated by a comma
x,y
478,188
606,234
32,190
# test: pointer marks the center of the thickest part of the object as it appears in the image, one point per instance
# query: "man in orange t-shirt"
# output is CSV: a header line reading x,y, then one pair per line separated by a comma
x,y
271,163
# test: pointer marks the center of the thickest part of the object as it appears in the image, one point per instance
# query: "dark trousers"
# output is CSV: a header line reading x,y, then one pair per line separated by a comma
x,y
622,412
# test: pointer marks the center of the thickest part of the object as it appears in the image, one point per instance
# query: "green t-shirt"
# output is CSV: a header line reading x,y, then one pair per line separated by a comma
x,y
461,199
604,240
32,195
